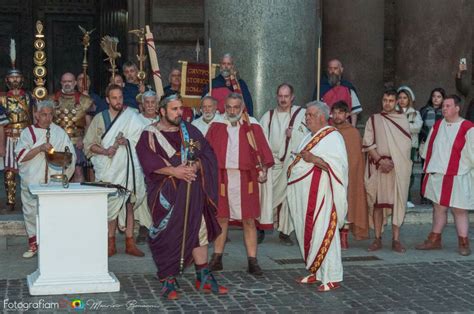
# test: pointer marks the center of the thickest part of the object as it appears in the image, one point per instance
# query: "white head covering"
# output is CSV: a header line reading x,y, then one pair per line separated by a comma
x,y
408,90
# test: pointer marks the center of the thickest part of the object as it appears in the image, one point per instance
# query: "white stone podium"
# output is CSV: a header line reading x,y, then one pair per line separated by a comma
x,y
72,239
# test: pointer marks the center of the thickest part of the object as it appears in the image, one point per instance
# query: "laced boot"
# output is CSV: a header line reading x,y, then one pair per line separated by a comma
x,y
169,287
376,245
463,246
254,268
206,281
432,243
112,250
131,248
344,233
216,262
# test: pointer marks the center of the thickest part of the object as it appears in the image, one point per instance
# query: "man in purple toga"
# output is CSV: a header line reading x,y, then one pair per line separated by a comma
x,y
163,151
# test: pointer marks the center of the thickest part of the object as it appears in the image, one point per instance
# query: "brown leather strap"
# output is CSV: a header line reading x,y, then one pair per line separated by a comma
x,y
287,141
270,123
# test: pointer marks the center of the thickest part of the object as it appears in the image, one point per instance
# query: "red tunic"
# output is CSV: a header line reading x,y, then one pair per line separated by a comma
x,y
218,136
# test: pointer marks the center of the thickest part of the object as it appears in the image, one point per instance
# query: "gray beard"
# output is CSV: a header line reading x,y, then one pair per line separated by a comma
x,y
334,79
67,90
232,119
225,73
208,117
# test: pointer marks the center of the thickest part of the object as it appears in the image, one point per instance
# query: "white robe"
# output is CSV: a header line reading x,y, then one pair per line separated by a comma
x,y
147,121
203,126
276,137
114,170
33,170
307,197
438,188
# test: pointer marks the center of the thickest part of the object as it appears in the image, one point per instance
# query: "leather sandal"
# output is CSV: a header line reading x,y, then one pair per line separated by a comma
x,y
376,245
308,280
398,247
329,286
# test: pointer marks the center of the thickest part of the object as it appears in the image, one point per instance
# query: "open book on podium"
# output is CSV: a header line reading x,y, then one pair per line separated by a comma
x,y
194,77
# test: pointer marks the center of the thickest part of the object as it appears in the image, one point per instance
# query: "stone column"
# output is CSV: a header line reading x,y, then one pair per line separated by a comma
x,y
353,32
431,38
272,41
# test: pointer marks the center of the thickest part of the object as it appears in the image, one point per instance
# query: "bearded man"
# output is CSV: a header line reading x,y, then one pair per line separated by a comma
x,y
18,106
172,182
222,85
209,114
334,88
71,113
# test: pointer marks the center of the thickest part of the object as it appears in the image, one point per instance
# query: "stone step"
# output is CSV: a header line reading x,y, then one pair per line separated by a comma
x,y
13,225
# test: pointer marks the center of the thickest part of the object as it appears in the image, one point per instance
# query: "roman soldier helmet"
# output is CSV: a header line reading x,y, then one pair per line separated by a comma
x,y
13,71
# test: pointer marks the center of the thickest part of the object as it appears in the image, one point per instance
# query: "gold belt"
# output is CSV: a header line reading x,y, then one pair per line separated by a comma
x,y
18,125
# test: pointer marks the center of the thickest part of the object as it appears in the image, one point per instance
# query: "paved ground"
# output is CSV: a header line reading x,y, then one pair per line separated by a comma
x,y
438,281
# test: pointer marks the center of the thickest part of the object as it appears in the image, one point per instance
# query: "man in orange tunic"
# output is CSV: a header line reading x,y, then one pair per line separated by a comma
x,y
357,216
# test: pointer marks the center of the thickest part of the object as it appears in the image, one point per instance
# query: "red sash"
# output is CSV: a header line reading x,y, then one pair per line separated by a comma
x,y
310,146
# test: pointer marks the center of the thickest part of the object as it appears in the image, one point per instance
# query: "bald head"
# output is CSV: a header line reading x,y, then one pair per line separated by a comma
x,y
68,83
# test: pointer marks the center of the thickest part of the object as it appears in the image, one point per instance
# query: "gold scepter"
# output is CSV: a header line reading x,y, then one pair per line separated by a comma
x,y
85,42
191,145
141,57
109,46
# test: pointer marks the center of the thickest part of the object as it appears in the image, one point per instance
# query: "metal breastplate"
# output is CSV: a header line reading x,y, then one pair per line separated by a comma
x,y
70,116
17,111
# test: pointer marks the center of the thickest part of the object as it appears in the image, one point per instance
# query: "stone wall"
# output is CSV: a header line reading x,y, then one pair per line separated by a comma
x,y
381,43
177,26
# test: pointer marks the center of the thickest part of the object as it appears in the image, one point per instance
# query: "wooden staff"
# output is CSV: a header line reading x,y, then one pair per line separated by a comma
x,y
150,41
191,145
209,55
48,136
318,61
185,223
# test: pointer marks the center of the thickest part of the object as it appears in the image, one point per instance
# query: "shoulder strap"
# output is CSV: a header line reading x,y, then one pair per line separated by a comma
x,y
397,126
287,141
106,116
32,132
270,123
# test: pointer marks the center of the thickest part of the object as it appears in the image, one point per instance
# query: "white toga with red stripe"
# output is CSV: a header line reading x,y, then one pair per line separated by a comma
x,y
33,170
449,165
318,205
